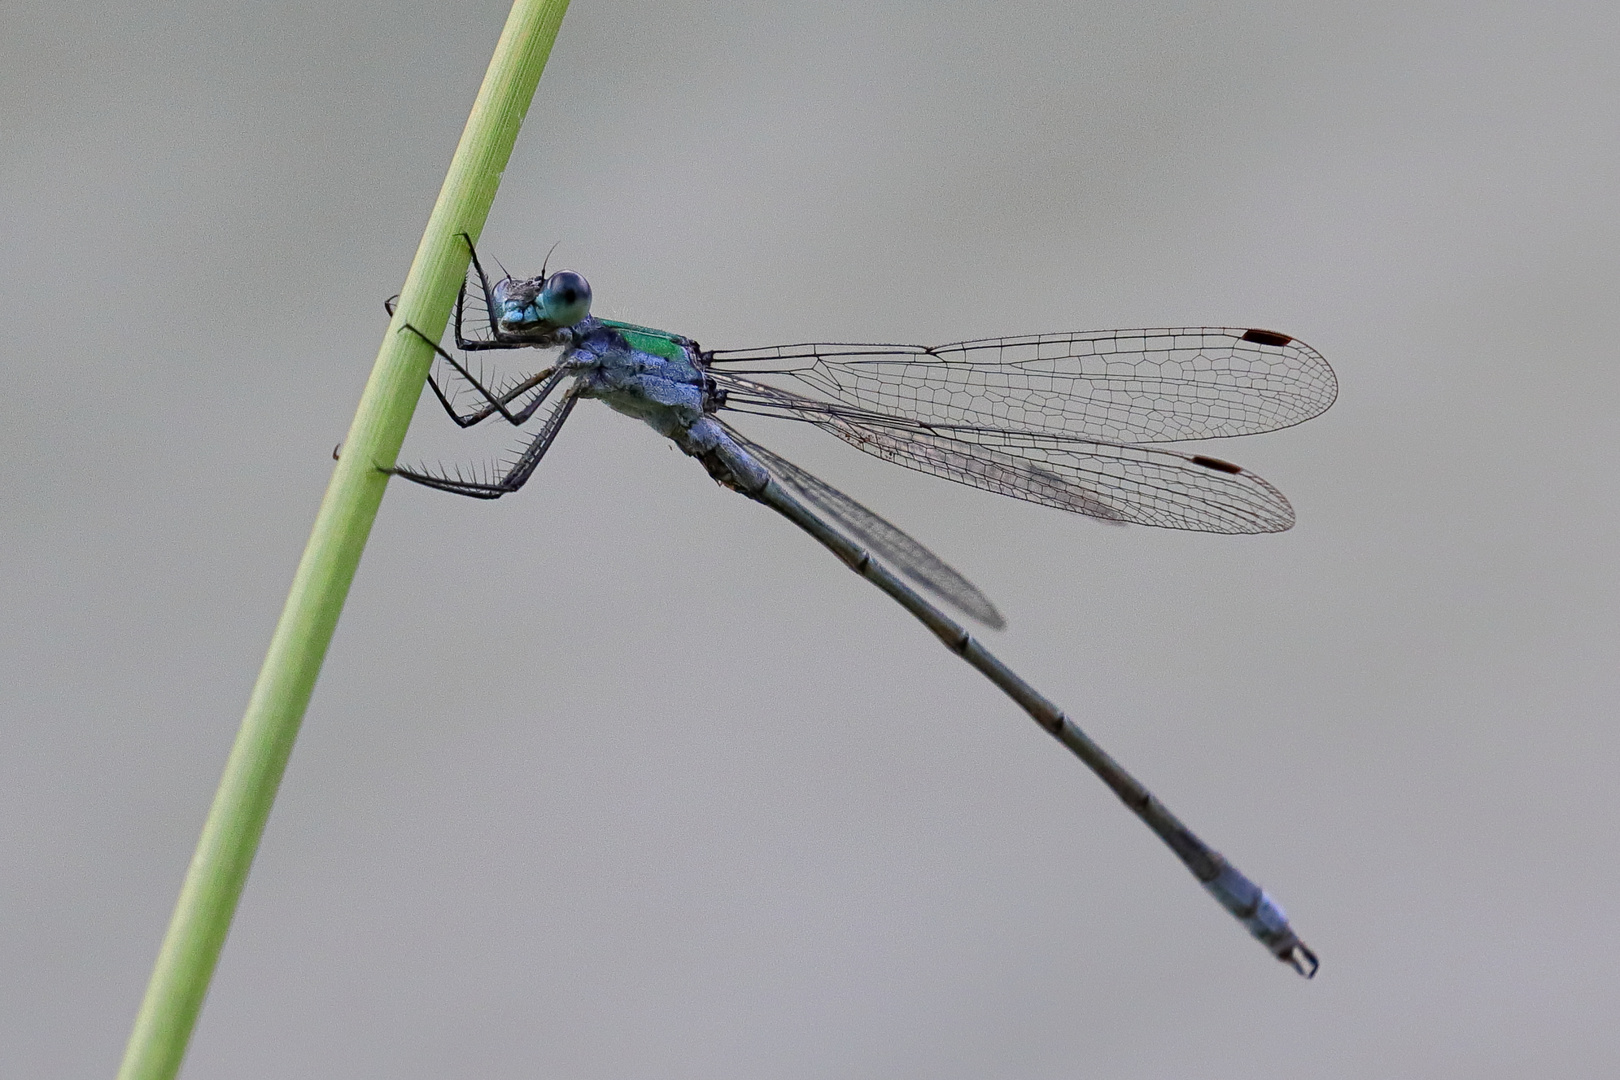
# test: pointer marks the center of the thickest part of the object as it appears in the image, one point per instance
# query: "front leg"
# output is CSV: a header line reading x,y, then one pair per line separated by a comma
x,y
498,339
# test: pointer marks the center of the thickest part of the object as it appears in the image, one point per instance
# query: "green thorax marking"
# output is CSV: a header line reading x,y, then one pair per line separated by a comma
x,y
657,342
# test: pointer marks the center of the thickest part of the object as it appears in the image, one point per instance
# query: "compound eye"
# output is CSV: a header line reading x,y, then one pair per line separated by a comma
x,y
565,298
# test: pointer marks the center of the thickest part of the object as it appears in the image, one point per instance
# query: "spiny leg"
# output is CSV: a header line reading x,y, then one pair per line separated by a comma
x,y
462,341
546,379
496,403
498,340
516,476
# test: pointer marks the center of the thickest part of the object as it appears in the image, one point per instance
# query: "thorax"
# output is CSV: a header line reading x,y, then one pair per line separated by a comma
x,y
645,374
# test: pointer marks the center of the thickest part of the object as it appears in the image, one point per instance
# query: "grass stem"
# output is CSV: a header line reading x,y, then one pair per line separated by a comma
x,y
230,837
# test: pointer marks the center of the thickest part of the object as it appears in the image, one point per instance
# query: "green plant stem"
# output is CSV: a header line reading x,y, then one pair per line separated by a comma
x,y
230,837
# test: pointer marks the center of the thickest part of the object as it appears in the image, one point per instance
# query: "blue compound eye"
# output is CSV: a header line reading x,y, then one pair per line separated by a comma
x,y
565,298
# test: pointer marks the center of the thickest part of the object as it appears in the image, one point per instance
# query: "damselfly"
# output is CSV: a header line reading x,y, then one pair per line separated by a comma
x,y
1074,421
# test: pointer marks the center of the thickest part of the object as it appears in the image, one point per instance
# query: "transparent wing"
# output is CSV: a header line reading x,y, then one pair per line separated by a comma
x,y
882,538
1117,385
1114,481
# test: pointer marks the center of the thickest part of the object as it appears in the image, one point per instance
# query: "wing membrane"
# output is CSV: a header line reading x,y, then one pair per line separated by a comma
x,y
882,538
1119,385
1114,481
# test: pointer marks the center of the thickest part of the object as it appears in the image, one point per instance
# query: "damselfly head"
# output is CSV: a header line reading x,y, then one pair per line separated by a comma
x,y
527,305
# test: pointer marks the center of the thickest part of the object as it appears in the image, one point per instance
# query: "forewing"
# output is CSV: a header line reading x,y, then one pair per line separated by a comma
x,y
1148,386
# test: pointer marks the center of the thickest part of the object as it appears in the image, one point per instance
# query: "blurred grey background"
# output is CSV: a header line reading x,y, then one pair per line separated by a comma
x,y
624,778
